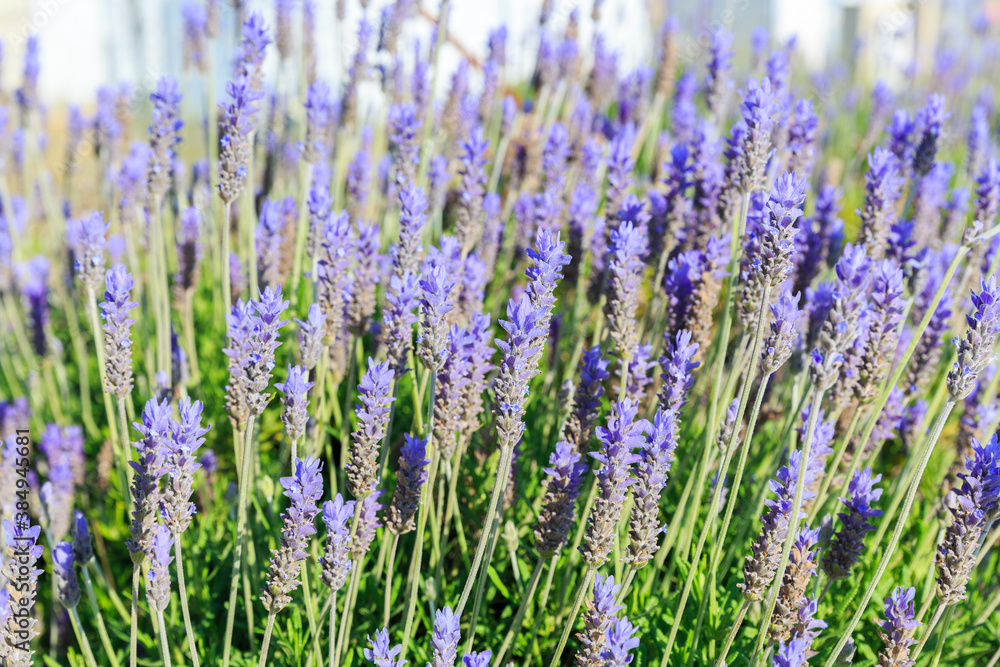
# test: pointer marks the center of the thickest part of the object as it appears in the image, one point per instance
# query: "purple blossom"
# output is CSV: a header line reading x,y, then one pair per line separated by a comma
x,y
373,417
883,185
358,179
303,489
802,139
445,638
311,333
620,643
158,574
975,350
368,524
650,473
163,135
88,249
380,654
978,140
840,324
677,365
473,173
269,241
411,475
67,583
250,56
336,557
757,110
719,63
564,476
236,143
628,245
598,619
153,448
189,249
516,367
616,456
930,121
436,287
364,278
848,544
784,332
404,128
296,390
117,330
332,280
318,106
181,463
898,626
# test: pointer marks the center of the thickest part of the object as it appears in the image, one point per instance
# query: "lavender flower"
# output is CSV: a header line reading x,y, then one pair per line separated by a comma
x,y
156,430
757,109
268,240
974,501
988,193
163,136
436,286
930,119
82,547
365,278
332,282
358,179
885,315
318,107
336,558
677,365
473,173
650,474
597,621
587,399
33,277
67,583
562,487
849,542
189,249
195,26
620,172
254,41
618,442
23,552
368,523
181,463
784,332
978,140
303,489
373,417
802,139
897,628
480,659
380,654
628,245
719,63
296,389
404,142
516,371
883,185
545,272
445,638
311,333
791,599
398,318
840,324
412,216
117,330
236,142
158,575
410,478
765,552
791,653
975,351
88,248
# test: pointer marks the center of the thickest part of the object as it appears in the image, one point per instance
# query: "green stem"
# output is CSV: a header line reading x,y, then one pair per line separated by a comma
x,y
227,285
723,468
588,579
897,530
331,658
928,631
944,636
388,580
241,514
731,637
543,602
425,501
134,616
164,643
185,612
834,465
522,610
102,630
268,629
81,637
793,521
302,228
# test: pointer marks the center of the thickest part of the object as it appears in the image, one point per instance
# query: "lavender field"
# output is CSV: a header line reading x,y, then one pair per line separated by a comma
x,y
687,364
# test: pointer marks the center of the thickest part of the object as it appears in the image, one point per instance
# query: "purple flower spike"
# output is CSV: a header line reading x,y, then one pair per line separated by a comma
x,y
318,107
930,121
311,333
237,125
883,185
975,350
436,286
784,332
988,193
545,272
398,318
118,330
412,216
410,479
473,173
897,628
296,390
189,249
181,463
791,653
598,619
757,110
719,63
303,490
802,139
336,558
88,247
82,545
445,638
404,142
618,443
884,318
366,440
480,659
848,544
656,457
157,433
677,366
620,643
67,584
516,369
368,524
628,245
562,487
163,135
158,576
380,654
254,41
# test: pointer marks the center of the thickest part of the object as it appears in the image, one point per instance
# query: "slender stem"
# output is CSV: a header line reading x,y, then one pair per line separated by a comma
x,y
425,501
331,658
629,576
498,485
102,630
838,456
581,592
494,532
81,637
302,228
227,285
943,636
310,610
928,631
731,637
793,521
182,589
134,616
164,643
995,659
388,580
241,514
897,531
723,468
189,335
522,610
268,629
543,602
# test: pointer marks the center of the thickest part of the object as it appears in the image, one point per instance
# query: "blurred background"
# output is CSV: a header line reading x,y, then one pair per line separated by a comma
x,y
84,43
